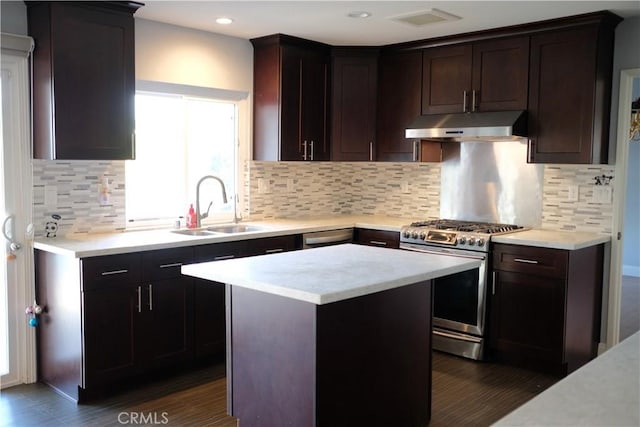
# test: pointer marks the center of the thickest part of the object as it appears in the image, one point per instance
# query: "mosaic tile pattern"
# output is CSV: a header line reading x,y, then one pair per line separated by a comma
x,y
77,186
584,215
293,189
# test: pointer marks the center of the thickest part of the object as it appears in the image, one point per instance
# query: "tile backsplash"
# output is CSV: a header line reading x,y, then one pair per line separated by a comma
x,y
292,189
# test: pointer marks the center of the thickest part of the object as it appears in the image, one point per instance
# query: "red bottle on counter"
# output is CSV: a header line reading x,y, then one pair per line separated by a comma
x,y
192,219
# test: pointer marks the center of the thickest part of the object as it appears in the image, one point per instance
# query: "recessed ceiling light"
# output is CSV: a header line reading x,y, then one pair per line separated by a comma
x,y
359,14
224,21
425,17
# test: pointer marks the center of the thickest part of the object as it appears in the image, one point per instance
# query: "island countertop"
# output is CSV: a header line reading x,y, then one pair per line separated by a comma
x,y
332,273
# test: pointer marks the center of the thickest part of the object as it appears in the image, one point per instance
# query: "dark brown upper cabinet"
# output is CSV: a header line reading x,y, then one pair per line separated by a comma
x,y
399,96
291,95
485,76
354,81
570,92
83,79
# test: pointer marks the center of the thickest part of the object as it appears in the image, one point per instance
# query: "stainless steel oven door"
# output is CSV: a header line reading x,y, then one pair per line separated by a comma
x,y
458,299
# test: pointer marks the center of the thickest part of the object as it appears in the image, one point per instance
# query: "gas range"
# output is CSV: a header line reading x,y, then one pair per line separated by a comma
x,y
469,235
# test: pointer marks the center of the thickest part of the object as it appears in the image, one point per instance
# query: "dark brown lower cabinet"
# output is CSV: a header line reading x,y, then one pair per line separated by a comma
x,y
364,361
545,306
382,238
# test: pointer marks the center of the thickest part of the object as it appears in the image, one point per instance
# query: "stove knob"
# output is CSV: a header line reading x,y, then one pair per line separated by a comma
x,y
480,242
414,234
462,240
406,233
423,235
472,241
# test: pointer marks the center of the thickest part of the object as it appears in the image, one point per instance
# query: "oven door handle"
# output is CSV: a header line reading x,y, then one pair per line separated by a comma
x,y
445,252
457,336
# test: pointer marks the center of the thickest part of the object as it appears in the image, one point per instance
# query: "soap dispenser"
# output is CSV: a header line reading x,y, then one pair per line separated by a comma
x,y
192,220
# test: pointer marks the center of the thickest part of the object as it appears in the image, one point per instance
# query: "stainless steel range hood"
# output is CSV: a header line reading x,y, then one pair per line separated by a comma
x,y
479,126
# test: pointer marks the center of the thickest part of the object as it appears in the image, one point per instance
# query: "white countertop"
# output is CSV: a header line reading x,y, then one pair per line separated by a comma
x,y
552,239
604,392
332,273
82,246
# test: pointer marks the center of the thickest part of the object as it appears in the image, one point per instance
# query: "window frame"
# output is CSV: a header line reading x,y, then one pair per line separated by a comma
x,y
241,101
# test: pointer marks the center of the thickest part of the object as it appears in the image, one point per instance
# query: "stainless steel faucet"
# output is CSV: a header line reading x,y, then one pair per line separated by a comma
x,y
199,216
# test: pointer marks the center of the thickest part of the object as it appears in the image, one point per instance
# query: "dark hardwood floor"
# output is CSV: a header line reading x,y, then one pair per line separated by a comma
x,y
465,393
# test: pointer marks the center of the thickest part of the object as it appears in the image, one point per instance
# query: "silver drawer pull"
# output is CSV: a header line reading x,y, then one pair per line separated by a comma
x,y
378,242
273,251
109,273
175,264
219,258
526,261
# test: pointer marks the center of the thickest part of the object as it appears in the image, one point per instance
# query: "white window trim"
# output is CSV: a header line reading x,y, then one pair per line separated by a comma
x,y
241,99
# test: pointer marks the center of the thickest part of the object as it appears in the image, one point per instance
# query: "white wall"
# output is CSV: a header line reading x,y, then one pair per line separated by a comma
x,y
173,54
13,17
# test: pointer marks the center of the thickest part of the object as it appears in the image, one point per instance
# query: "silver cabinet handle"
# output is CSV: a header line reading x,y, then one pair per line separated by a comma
x,y
370,151
464,101
378,242
304,150
416,150
311,150
109,273
139,292
273,251
493,285
525,261
133,145
473,101
150,290
175,264
219,258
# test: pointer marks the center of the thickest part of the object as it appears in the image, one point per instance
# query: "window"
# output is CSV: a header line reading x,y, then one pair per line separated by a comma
x,y
180,139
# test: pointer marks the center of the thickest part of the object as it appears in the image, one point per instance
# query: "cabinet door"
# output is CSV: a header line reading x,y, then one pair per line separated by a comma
x,y
562,95
500,75
354,82
209,318
168,311
290,104
313,116
84,81
446,83
527,318
269,245
111,332
399,98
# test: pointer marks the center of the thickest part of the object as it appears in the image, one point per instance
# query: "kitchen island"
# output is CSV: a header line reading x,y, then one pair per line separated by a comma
x,y
338,335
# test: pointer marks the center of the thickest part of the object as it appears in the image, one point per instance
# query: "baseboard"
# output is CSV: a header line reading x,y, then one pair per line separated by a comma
x,y
602,347
631,270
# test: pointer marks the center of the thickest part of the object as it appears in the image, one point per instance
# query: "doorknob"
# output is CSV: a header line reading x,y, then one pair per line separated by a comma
x,y
13,245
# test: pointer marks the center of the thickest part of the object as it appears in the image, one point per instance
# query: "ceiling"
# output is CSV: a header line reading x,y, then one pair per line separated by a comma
x,y
327,21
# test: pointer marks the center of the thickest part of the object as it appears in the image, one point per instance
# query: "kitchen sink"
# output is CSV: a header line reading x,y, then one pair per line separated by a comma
x,y
194,232
234,228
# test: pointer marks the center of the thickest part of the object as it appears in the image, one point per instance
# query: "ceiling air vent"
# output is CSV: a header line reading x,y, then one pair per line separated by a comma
x,y
424,17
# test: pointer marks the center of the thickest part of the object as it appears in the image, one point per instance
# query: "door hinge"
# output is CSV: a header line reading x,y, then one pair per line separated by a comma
x,y
619,236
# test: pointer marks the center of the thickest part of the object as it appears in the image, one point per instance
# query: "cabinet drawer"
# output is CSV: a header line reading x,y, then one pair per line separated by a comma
x,y
166,263
97,271
269,245
218,251
531,260
384,239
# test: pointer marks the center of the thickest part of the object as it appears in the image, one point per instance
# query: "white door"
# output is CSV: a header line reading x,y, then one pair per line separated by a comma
x,y
17,344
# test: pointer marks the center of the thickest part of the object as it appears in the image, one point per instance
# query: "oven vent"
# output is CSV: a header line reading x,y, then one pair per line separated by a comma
x,y
424,17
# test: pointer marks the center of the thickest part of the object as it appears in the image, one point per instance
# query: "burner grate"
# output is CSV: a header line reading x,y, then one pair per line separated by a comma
x,y
467,226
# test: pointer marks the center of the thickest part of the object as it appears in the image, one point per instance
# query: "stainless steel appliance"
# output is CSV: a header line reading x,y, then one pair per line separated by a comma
x,y
459,300
327,238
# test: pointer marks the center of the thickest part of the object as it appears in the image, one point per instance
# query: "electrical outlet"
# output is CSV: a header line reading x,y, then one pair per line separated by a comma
x,y
404,187
573,193
602,194
263,186
291,188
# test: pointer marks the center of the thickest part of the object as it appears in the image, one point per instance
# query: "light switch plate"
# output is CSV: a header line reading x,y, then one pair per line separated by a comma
x,y
602,194
50,195
404,187
263,186
573,193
